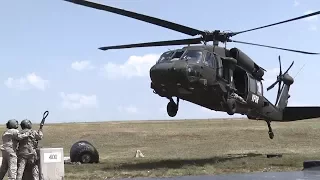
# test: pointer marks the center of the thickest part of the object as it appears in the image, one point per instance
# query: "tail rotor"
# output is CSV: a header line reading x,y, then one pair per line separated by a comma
x,y
280,79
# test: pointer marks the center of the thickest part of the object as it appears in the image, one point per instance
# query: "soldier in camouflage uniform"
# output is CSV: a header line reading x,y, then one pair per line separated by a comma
x,y
27,154
10,140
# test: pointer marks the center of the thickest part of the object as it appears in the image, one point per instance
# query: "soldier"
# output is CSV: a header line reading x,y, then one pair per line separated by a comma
x,y
10,140
27,153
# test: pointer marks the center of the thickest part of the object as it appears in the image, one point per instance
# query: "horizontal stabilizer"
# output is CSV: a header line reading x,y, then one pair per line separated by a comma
x,y
300,113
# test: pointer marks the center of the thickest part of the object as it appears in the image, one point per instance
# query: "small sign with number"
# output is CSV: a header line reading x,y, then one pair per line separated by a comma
x,y
52,157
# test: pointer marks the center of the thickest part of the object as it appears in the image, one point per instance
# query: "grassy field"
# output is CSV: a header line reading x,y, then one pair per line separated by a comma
x,y
188,147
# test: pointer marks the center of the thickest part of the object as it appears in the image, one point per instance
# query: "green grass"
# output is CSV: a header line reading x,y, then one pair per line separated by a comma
x,y
188,147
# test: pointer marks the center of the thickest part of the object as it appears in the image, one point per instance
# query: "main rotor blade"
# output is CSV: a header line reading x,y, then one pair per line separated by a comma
x,y
157,43
156,21
293,19
292,50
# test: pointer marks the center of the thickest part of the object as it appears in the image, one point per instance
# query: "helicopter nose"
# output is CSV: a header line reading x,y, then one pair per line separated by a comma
x,y
169,72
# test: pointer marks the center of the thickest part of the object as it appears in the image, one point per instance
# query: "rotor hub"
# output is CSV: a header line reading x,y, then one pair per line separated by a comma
x,y
287,79
216,35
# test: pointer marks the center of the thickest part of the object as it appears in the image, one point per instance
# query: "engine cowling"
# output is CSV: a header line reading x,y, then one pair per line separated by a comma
x,y
247,63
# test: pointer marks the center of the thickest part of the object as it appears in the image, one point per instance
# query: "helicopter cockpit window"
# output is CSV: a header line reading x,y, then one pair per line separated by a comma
x,y
253,85
193,56
177,54
166,56
259,88
209,59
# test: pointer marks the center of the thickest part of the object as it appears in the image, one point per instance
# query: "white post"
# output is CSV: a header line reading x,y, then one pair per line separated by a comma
x,y
52,163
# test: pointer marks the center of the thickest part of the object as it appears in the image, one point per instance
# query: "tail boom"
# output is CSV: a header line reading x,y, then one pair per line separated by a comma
x,y
296,113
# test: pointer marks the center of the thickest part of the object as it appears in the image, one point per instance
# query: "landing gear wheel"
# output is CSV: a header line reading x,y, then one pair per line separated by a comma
x,y
172,108
231,106
271,134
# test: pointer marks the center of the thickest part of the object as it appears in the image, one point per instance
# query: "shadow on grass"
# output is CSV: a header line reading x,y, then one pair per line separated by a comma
x,y
177,163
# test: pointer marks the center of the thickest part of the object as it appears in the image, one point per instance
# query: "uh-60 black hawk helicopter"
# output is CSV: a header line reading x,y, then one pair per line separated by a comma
x,y
215,77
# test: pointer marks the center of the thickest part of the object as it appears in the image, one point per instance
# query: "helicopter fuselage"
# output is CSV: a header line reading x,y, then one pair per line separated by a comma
x,y
198,74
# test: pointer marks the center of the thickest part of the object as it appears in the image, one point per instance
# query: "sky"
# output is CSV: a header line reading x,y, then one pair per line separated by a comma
x,y
51,61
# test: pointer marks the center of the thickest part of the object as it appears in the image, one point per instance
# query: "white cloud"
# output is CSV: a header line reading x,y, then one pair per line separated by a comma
x,y
82,65
312,18
75,101
135,66
30,81
296,3
270,76
128,109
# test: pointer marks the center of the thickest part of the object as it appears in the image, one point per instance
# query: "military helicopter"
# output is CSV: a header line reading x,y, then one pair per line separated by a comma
x,y
215,77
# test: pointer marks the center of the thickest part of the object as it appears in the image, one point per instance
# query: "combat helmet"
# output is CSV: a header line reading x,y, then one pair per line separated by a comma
x,y
26,124
12,124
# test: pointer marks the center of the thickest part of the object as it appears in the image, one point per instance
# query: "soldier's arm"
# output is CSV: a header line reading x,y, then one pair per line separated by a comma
x,y
19,136
39,134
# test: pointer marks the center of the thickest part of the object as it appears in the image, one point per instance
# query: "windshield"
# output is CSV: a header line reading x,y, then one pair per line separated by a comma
x,y
177,54
165,56
193,56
